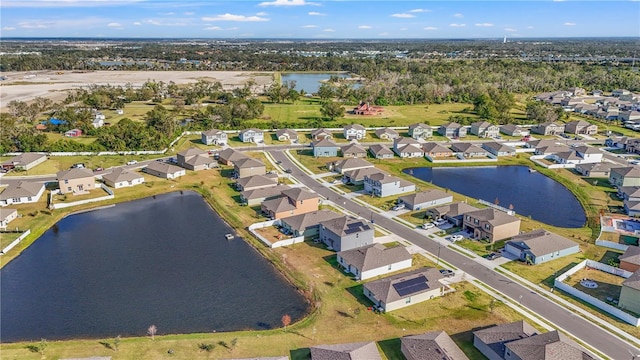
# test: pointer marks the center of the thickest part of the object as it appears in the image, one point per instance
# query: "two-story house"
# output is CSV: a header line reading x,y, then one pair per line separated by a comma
x,y
484,129
214,137
345,233
252,135
581,127
76,181
291,202
625,176
354,132
324,148
382,185
420,131
249,167
491,224
548,128
452,130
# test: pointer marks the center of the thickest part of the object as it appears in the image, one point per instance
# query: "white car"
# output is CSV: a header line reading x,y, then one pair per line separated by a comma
x,y
398,207
455,238
131,162
428,226
440,222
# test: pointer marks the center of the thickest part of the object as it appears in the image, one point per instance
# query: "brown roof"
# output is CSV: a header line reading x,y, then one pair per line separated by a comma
x,y
384,290
354,351
631,255
492,216
22,189
298,194
434,345
374,256
74,173
120,174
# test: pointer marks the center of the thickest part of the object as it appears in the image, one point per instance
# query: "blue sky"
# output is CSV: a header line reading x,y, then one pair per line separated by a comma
x,y
318,19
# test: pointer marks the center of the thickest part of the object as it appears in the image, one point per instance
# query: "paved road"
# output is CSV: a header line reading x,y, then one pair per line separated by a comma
x,y
582,329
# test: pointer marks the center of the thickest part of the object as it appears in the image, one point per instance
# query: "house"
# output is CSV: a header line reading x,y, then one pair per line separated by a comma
x,y
548,128
382,184
287,135
21,193
7,216
308,224
588,154
356,177
324,148
387,134
620,92
76,181
433,345
98,122
353,150
342,166
291,202
618,142
513,130
214,137
630,260
551,345
491,341
251,135
469,150
346,232
228,156
491,224
196,160
405,289
625,176
257,196
407,148
321,134
547,147
24,161
380,152
425,199
453,213
420,131
73,133
365,109
373,260
354,351
577,91
580,127
631,115
484,129
538,246
435,150
164,170
121,177
630,293
452,130
499,149
256,182
601,169
248,167
354,132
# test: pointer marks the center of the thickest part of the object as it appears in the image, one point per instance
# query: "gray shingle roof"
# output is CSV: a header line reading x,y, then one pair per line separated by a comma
x,y
230,154
384,290
163,168
74,173
351,163
548,346
353,149
492,216
248,163
633,281
541,242
341,225
5,213
303,221
264,192
278,205
387,131
22,189
324,143
291,133
404,141
498,147
423,196
373,256
378,149
24,159
467,147
353,351
628,172
453,210
120,174
320,131
355,127
432,147
192,152
496,337
631,255
298,194
213,132
359,174
257,180
434,345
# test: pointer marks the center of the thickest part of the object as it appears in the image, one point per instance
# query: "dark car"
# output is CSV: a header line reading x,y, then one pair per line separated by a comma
x,y
493,256
288,171
278,162
447,273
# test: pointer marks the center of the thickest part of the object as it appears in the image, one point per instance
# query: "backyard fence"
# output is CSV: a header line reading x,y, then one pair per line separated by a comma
x,y
280,243
612,245
15,242
87,201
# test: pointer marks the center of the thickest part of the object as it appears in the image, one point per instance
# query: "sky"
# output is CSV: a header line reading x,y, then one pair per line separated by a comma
x,y
319,19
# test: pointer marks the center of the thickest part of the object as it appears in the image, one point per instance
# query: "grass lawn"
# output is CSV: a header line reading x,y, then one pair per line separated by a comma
x,y
85,140
609,285
69,198
136,111
479,247
315,165
8,238
58,163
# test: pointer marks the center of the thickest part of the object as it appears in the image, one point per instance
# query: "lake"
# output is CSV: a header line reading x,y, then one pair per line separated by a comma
x,y
310,82
162,261
531,194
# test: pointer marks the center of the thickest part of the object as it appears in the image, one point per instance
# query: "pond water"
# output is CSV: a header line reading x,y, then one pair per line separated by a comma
x,y
310,82
531,194
162,261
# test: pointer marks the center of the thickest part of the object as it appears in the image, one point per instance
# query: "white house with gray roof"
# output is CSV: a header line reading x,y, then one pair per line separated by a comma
x,y
380,152
491,341
425,199
420,131
321,134
346,233
452,130
539,246
342,166
24,161
356,177
287,135
256,182
382,184
214,137
352,351
630,293
354,132
195,159
499,149
7,216
23,192
407,148
251,135
374,260
433,345
353,150
164,170
405,289
484,129
513,130
387,134
121,177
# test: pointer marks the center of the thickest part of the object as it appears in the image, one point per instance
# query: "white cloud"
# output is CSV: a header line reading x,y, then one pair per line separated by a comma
x,y
232,17
189,13
137,23
510,29
569,24
33,25
484,25
403,16
458,25
65,3
419,10
261,13
329,30
8,28
233,28
315,13
287,3
114,25
213,28
458,15
309,26
163,23
86,22
364,27
431,28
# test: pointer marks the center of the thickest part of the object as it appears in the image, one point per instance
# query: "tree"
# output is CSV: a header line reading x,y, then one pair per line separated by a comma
x,y
162,120
541,112
43,345
116,343
332,110
325,91
152,331
286,320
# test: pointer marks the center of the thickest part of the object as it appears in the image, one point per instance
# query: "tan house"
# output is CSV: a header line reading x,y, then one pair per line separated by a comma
x,y
630,260
353,351
353,150
120,178
196,160
434,345
581,127
7,216
491,224
164,170
321,134
23,192
630,293
249,167
291,202
76,181
435,150
228,156
24,161
548,128
386,134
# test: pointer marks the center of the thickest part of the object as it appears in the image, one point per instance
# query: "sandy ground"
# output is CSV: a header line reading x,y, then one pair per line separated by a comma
x,y
24,86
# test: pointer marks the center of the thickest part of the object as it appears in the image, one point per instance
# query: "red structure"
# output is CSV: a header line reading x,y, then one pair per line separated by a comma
x,y
73,133
366,109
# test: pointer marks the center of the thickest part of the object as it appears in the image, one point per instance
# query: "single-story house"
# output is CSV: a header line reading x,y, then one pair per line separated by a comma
x,y
214,137
630,260
364,108
499,149
121,177
76,181
249,167
348,164
453,213
380,151
513,130
630,293
469,150
24,161
632,115
425,199
251,135
435,150
324,148
407,148
73,133
287,135
484,129
433,345
491,224
354,132
538,246
625,176
256,182
602,169
548,128
405,289
257,196
373,260
164,170
353,150
196,160
346,232
382,184
491,341
229,155
356,177
420,131
7,216
353,351
291,202
581,127
452,130
386,134
21,193
308,224
553,344
321,134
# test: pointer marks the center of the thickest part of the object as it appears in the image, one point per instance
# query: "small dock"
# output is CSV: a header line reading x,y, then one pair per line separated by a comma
x,y
228,236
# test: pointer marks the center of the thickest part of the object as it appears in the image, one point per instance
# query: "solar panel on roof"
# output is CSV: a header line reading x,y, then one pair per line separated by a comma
x,y
411,286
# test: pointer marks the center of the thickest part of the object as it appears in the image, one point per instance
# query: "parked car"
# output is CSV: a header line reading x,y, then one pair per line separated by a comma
x,y
447,273
99,169
428,225
398,207
455,238
440,222
493,256
77,166
132,162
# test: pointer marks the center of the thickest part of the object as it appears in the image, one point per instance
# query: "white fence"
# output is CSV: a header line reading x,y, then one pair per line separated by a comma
x,y
462,159
15,242
87,201
497,207
558,283
276,244
612,245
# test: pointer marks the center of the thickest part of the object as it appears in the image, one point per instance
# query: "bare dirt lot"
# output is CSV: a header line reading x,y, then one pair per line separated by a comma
x,y
25,86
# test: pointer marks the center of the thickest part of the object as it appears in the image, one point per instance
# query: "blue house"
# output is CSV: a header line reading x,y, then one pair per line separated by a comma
x,y
324,148
54,121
